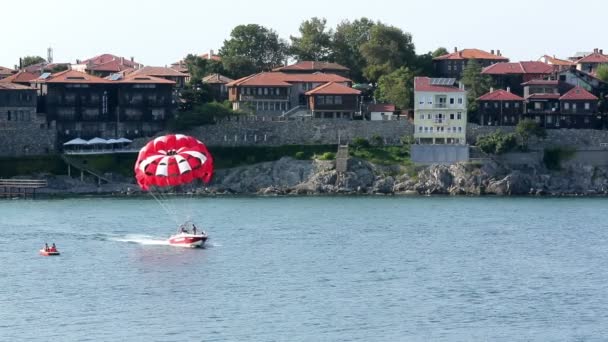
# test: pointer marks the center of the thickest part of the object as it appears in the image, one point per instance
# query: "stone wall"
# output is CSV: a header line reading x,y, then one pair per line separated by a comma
x,y
440,154
257,131
575,138
22,138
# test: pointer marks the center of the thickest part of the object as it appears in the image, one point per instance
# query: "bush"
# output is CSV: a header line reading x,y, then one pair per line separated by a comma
x,y
527,128
300,155
497,142
328,156
200,115
377,140
359,143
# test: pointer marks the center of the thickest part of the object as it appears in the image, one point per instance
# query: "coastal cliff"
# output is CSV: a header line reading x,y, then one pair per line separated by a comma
x,y
289,176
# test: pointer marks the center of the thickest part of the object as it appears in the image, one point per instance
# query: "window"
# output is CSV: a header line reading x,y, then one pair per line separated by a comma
x,y
265,91
460,100
574,106
459,129
486,105
428,116
338,100
321,100
329,100
421,116
421,100
8,116
260,91
277,91
431,129
506,104
452,116
587,106
451,100
449,129
516,104
426,129
537,105
566,105
420,129
459,116
495,104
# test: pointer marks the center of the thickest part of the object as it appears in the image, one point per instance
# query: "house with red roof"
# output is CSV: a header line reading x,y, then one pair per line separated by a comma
x,y
218,85
512,75
21,77
452,64
500,108
381,112
274,93
88,106
170,74
333,101
440,111
559,64
591,62
106,64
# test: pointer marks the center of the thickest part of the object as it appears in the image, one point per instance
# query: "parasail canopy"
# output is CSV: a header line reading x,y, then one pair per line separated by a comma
x,y
172,160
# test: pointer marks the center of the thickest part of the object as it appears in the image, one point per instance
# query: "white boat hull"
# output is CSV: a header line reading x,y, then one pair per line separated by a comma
x,y
187,240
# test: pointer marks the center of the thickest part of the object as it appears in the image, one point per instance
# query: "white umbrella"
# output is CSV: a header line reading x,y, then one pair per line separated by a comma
x,y
124,140
76,141
96,141
112,141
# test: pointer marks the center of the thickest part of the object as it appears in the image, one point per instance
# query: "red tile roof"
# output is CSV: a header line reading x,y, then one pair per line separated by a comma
x,y
213,57
557,61
158,72
544,96
377,107
313,66
424,84
20,77
73,76
472,54
333,88
579,93
500,95
111,66
541,82
6,71
14,86
280,79
518,68
143,79
107,58
595,57
217,79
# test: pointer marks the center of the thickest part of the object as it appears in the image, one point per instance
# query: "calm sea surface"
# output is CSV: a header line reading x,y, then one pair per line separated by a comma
x,y
307,269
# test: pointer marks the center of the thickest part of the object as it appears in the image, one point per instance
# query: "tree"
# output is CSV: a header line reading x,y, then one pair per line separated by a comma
x,y
497,142
424,65
252,48
31,60
203,114
440,52
347,39
527,128
476,85
199,67
602,72
397,88
314,43
387,49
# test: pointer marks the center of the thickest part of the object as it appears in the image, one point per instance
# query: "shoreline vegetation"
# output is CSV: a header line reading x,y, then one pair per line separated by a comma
x,y
296,170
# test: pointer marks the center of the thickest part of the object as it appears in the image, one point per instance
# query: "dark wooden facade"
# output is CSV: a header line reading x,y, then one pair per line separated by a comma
x,y
333,106
500,113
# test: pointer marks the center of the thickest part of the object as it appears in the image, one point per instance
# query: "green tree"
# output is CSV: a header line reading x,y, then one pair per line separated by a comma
x,y
203,114
200,67
31,60
347,39
476,85
497,142
602,72
527,128
424,65
252,48
314,43
387,49
397,88
440,52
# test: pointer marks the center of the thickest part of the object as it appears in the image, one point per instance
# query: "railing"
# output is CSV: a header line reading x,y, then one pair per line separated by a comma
x,y
10,188
83,168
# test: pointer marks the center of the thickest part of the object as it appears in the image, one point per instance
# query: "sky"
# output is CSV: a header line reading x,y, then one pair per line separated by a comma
x,y
159,32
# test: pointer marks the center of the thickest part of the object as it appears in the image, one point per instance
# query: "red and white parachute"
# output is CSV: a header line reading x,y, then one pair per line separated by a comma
x,y
171,160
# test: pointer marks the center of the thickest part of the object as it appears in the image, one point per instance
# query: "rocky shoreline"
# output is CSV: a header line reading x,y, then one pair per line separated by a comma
x,y
289,176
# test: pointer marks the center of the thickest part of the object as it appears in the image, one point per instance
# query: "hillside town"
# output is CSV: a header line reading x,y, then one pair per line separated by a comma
x,y
443,103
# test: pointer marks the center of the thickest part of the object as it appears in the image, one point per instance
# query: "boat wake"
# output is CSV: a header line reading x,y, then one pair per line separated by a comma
x,y
146,240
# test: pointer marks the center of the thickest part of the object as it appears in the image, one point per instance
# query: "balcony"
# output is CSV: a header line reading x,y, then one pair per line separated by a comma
x,y
263,97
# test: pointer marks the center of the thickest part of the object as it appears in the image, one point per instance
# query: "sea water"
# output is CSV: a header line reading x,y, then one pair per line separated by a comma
x,y
306,269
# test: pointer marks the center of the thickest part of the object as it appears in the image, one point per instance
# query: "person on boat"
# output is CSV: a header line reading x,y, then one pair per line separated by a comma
x,y
183,228
53,248
193,229
46,247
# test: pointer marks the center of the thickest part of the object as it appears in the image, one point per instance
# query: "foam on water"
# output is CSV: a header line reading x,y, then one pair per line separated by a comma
x,y
142,240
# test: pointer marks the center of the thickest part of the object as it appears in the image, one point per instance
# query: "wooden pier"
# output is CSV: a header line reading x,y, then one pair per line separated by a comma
x,y
17,188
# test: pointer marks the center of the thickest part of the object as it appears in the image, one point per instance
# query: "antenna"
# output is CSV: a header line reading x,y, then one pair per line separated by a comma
x,y
49,55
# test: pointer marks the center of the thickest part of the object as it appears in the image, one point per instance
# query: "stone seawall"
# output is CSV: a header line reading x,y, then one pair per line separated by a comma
x,y
22,138
275,133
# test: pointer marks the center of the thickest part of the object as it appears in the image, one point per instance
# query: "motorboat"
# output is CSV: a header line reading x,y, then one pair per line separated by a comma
x,y
49,252
188,240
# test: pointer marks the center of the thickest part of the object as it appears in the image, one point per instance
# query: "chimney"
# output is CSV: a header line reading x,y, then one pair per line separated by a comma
x,y
498,53
491,89
601,51
78,61
20,63
508,89
122,60
132,59
460,85
595,50
210,54
492,51
455,49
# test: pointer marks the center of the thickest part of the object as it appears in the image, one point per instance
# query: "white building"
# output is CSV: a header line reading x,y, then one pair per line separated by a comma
x,y
382,112
440,111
